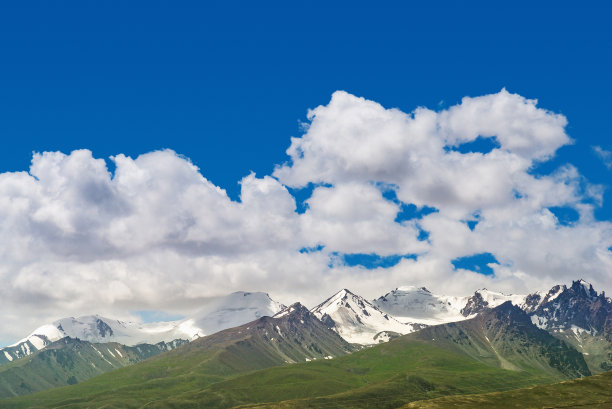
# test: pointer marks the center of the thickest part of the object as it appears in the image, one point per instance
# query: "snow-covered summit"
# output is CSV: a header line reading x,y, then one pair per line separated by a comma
x,y
232,310
410,304
358,321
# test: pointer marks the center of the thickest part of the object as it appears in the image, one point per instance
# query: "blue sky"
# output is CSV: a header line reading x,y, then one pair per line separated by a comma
x,y
226,85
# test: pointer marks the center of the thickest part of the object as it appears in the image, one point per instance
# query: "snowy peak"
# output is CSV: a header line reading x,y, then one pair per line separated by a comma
x,y
231,311
358,321
411,304
342,299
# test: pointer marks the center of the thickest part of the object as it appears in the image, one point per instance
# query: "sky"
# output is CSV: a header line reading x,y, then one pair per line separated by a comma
x,y
156,154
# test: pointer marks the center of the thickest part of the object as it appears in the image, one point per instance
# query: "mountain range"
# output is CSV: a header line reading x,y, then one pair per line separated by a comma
x,y
562,333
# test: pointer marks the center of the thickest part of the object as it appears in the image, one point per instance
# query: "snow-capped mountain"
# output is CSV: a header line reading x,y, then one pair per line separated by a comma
x,y
358,321
221,313
418,305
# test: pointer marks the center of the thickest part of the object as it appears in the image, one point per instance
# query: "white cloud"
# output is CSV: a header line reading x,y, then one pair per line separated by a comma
x,y
158,235
604,155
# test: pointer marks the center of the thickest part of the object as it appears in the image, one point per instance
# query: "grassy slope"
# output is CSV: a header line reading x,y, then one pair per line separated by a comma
x,y
505,337
590,392
390,375
65,362
597,349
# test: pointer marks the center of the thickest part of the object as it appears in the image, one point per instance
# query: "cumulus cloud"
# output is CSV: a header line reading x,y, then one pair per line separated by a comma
x,y
156,234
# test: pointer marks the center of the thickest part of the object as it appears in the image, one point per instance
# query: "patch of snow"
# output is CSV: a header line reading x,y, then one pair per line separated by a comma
x,y
8,356
284,312
538,321
119,352
494,298
99,353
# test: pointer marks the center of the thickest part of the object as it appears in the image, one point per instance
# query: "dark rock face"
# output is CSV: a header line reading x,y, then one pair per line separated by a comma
x,y
475,305
328,321
103,328
578,305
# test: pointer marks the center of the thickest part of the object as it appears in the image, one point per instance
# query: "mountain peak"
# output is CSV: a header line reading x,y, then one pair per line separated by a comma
x,y
583,287
336,300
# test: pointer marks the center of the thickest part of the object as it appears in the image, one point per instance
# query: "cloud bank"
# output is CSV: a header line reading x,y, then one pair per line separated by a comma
x,y
156,234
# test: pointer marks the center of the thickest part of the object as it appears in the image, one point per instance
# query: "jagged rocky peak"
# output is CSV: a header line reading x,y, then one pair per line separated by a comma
x,y
295,314
475,305
578,306
583,288
294,310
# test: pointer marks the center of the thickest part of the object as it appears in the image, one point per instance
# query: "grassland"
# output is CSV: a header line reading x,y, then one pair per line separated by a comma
x,y
588,393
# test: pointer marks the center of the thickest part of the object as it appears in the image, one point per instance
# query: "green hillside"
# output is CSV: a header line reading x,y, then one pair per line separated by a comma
x,y
388,375
505,337
397,372
591,392
69,361
596,348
